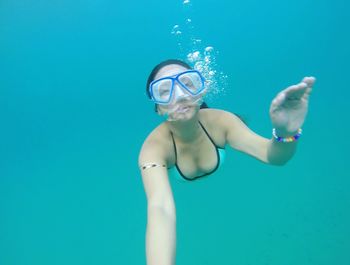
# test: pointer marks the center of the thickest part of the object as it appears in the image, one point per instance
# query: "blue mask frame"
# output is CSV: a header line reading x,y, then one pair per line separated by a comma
x,y
173,79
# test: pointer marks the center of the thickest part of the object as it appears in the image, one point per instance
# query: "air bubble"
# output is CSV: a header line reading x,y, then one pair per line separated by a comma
x,y
202,58
209,49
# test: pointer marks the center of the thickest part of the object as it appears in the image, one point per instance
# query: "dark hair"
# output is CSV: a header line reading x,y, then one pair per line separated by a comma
x,y
161,65
178,62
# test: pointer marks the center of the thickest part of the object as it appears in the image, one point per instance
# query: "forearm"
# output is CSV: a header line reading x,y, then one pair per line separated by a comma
x,y
160,237
279,153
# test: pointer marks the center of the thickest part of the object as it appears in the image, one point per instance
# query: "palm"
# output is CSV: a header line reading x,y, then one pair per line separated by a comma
x,y
289,108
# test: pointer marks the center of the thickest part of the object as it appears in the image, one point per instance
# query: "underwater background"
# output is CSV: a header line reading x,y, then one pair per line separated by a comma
x,y
74,114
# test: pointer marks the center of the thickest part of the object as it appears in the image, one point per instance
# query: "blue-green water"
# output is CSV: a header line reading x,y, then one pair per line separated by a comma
x,y
74,115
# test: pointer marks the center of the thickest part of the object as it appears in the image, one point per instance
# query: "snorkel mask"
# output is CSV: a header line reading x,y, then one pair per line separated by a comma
x,y
178,93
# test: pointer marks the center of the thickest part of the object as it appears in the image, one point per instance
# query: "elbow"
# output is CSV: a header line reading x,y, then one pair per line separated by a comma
x,y
278,162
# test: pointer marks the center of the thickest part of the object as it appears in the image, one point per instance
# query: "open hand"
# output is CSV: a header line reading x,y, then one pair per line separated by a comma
x,y
289,108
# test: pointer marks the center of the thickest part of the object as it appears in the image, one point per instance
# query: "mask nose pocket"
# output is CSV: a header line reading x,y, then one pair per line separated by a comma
x,y
179,92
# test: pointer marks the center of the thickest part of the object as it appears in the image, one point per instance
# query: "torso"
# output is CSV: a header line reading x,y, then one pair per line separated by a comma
x,y
200,157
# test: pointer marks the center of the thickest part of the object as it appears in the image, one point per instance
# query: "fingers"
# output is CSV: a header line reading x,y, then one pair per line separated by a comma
x,y
308,90
278,100
309,80
281,97
295,92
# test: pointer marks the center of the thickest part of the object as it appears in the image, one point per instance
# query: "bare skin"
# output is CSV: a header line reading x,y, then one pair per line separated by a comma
x,y
289,108
196,155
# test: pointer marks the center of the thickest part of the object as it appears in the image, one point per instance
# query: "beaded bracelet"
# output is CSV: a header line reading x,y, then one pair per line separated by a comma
x,y
287,139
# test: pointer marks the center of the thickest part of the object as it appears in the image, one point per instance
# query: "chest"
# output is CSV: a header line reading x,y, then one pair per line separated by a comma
x,y
200,157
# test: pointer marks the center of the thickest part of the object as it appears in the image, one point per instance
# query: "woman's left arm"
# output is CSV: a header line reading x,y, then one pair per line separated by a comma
x,y
287,111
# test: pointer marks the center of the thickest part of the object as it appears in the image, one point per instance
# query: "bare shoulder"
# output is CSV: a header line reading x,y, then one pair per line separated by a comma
x,y
155,148
221,119
216,122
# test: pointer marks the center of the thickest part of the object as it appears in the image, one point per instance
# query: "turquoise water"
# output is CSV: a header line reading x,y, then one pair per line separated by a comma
x,y
74,115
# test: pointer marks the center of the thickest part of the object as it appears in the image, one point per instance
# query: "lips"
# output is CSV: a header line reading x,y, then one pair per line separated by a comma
x,y
183,109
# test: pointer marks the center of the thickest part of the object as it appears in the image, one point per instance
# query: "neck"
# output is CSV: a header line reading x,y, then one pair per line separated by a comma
x,y
186,131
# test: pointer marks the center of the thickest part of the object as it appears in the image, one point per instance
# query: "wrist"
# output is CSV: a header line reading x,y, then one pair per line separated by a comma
x,y
285,136
285,133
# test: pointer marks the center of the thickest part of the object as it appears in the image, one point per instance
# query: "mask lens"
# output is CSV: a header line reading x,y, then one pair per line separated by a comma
x,y
192,81
161,90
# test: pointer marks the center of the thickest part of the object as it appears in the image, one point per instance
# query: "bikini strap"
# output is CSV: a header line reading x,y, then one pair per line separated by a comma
x,y
205,133
208,135
174,147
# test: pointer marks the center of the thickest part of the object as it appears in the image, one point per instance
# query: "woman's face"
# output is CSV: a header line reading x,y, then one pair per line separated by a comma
x,y
182,105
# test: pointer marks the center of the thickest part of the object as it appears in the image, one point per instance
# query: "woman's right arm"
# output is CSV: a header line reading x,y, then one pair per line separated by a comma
x,y
161,213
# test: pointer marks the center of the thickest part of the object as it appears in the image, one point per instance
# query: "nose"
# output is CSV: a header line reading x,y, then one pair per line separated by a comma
x,y
179,91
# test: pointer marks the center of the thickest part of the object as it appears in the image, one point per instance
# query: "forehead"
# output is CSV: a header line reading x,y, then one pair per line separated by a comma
x,y
169,70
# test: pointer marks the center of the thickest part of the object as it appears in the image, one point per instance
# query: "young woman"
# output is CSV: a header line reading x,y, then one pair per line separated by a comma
x,y
191,143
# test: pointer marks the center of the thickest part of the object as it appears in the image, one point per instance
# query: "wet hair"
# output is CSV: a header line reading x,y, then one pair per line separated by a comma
x,y
156,70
